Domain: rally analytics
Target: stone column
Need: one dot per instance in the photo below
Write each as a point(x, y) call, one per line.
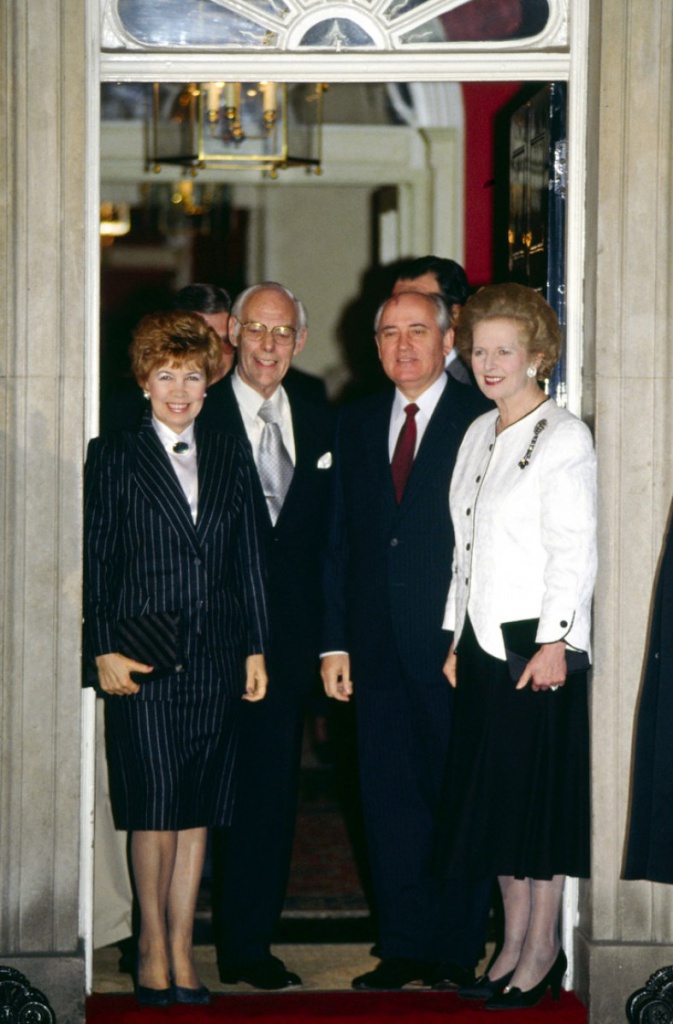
point(626, 928)
point(42, 345)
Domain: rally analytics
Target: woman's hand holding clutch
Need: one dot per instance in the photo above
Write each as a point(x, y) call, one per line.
point(255, 677)
point(546, 669)
point(114, 673)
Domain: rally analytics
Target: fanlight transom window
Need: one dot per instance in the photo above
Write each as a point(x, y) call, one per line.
point(301, 25)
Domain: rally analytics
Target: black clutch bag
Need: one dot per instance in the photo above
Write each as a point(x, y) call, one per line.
point(154, 639)
point(521, 645)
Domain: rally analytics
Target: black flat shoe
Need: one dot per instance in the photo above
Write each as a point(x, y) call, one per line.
point(393, 974)
point(192, 996)
point(151, 996)
point(267, 975)
point(516, 999)
point(485, 987)
point(154, 996)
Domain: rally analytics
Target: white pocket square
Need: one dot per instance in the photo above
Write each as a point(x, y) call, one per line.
point(325, 461)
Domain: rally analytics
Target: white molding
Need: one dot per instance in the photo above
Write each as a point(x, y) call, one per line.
point(91, 390)
point(576, 205)
point(353, 66)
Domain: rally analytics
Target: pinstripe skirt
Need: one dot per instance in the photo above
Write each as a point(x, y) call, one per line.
point(171, 761)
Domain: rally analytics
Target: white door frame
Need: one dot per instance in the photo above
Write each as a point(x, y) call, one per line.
point(352, 66)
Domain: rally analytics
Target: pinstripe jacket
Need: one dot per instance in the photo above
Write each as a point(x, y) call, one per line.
point(143, 553)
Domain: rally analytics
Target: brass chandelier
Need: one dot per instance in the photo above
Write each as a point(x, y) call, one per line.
point(236, 126)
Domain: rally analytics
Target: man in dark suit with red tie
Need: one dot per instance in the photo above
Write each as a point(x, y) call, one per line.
point(387, 576)
point(289, 430)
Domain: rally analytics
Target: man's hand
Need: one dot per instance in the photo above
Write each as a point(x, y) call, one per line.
point(114, 673)
point(255, 677)
point(546, 669)
point(335, 670)
point(451, 666)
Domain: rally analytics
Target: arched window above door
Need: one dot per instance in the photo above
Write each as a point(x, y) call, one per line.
point(333, 26)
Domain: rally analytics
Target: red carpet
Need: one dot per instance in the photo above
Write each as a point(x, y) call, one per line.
point(334, 1008)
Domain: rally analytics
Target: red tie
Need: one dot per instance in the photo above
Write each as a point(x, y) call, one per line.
point(403, 456)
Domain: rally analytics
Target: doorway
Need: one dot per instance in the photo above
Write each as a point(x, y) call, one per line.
point(418, 230)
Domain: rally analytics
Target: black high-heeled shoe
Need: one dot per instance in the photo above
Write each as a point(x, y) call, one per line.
point(485, 987)
point(515, 999)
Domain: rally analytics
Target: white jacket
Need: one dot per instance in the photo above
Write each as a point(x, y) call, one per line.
point(523, 506)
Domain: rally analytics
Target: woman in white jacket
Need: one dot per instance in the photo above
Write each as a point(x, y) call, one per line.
point(523, 504)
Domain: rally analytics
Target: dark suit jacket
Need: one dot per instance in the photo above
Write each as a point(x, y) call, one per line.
point(388, 567)
point(143, 553)
point(650, 838)
point(294, 546)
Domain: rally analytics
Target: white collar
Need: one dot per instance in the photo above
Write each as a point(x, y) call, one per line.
point(169, 438)
point(250, 400)
point(426, 401)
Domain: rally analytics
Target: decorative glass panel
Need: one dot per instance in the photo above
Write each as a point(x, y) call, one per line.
point(332, 25)
point(192, 23)
point(336, 34)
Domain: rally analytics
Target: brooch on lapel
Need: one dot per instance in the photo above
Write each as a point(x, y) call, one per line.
point(539, 427)
point(325, 461)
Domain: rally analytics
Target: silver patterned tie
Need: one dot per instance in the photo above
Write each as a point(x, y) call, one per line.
point(274, 464)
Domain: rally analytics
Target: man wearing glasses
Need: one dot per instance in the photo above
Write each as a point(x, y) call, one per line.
point(289, 431)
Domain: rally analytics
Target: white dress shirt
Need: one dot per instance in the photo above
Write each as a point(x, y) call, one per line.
point(523, 506)
point(250, 402)
point(184, 463)
point(426, 403)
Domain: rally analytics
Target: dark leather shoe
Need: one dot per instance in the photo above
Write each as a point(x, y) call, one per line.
point(128, 955)
point(154, 996)
point(485, 987)
point(267, 974)
point(450, 976)
point(393, 974)
point(192, 996)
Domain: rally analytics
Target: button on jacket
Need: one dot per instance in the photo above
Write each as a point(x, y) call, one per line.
point(523, 505)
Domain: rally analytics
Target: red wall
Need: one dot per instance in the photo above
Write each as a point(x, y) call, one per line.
point(482, 101)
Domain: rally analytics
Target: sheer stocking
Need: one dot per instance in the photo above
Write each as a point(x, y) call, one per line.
point(167, 870)
point(153, 860)
point(542, 941)
point(532, 908)
point(182, 896)
point(516, 900)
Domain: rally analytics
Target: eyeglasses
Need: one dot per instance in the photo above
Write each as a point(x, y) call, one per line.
point(252, 330)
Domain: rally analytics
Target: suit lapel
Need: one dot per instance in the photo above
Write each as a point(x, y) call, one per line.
point(375, 440)
point(212, 482)
point(160, 486)
point(305, 454)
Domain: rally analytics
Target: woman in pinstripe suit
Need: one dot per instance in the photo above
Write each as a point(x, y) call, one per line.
point(170, 535)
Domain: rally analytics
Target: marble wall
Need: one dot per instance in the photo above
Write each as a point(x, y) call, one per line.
point(42, 347)
point(626, 928)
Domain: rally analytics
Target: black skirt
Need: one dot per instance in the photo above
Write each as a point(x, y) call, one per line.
point(171, 760)
point(517, 787)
